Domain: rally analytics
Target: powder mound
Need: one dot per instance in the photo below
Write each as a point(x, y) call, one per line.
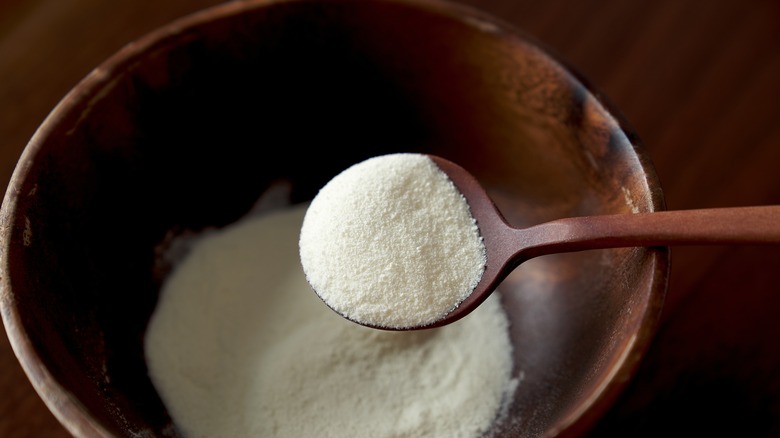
point(238, 346)
point(391, 242)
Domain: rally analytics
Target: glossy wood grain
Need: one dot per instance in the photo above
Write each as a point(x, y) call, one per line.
point(698, 81)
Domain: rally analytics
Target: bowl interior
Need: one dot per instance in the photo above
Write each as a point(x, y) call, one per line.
point(188, 127)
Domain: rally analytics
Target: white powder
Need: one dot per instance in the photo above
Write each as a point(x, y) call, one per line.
point(238, 346)
point(391, 242)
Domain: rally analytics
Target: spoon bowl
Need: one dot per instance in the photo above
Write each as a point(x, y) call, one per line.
point(507, 247)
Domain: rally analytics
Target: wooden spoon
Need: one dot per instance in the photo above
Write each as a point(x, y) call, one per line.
point(507, 247)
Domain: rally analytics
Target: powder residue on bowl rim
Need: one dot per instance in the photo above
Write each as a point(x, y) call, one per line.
point(239, 346)
point(391, 242)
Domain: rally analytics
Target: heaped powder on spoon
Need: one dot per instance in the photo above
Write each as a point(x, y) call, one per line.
point(391, 242)
point(238, 346)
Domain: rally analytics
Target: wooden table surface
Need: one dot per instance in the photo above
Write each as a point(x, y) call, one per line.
point(699, 80)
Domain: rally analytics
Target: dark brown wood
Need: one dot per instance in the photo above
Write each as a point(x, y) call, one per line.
point(186, 128)
point(757, 225)
point(696, 79)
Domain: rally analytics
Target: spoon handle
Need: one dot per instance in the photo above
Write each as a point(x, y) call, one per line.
point(737, 225)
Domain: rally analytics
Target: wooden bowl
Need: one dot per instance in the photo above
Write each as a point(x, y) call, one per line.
point(185, 128)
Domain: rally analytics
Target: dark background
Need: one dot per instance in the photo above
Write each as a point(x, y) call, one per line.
point(699, 81)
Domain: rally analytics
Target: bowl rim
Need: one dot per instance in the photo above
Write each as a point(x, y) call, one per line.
point(78, 420)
